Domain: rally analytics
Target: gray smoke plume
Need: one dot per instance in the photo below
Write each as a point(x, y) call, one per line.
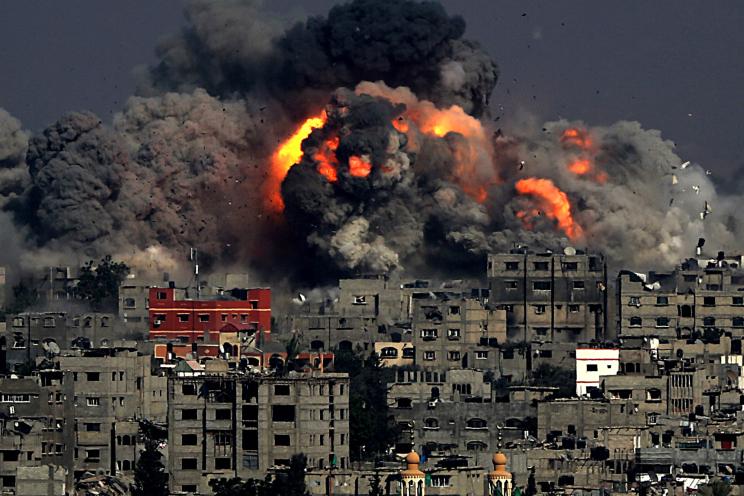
point(402, 176)
point(228, 48)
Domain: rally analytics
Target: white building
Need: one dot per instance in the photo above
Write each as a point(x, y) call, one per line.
point(593, 363)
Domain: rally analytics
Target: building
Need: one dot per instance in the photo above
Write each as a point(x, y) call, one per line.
point(549, 296)
point(455, 331)
point(592, 364)
point(175, 315)
point(227, 425)
point(700, 295)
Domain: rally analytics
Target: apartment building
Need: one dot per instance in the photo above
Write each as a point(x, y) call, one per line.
point(227, 425)
point(700, 295)
point(455, 331)
point(549, 296)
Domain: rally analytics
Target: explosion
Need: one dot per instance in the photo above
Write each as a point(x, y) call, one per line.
point(286, 155)
point(553, 202)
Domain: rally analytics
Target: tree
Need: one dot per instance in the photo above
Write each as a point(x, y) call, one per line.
point(372, 429)
point(99, 284)
point(24, 296)
point(375, 485)
point(239, 487)
point(716, 487)
point(548, 375)
point(150, 477)
point(292, 481)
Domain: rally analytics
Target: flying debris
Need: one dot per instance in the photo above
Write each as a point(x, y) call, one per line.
point(684, 165)
point(708, 172)
point(696, 189)
point(299, 300)
point(706, 211)
point(674, 179)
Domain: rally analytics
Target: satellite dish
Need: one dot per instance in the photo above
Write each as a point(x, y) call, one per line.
point(570, 251)
point(52, 348)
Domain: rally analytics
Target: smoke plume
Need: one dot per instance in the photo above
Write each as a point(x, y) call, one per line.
point(341, 144)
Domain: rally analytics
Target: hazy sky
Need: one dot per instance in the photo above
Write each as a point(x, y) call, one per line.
point(674, 65)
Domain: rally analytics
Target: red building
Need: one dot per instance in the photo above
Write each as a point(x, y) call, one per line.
point(176, 318)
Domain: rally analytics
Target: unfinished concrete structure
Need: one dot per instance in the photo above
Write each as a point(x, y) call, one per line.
point(226, 425)
point(549, 296)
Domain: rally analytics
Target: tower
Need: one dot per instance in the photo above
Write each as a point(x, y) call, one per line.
point(412, 478)
point(499, 480)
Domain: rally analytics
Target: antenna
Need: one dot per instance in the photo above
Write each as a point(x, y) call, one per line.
point(194, 257)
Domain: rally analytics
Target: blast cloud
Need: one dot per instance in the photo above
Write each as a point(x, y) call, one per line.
point(187, 161)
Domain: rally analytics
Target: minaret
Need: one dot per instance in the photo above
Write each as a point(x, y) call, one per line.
point(499, 480)
point(412, 479)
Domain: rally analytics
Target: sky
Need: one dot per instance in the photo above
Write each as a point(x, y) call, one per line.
point(673, 65)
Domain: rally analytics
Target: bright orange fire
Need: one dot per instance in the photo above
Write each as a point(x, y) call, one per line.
point(358, 167)
point(580, 166)
point(401, 124)
point(552, 201)
point(576, 137)
point(327, 161)
point(288, 154)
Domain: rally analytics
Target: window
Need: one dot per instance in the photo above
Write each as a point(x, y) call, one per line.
point(281, 389)
point(509, 285)
point(183, 317)
point(389, 352)
point(92, 455)
point(48, 321)
point(360, 300)
point(281, 440)
point(429, 355)
point(709, 321)
point(476, 423)
point(429, 333)
point(243, 317)
point(223, 317)
point(162, 295)
point(188, 439)
point(188, 414)
point(92, 376)
point(653, 395)
point(481, 355)
point(539, 309)
point(282, 413)
point(578, 285)
point(591, 367)
point(570, 266)
point(453, 356)
point(93, 401)
point(130, 303)
point(634, 301)
point(511, 265)
point(431, 423)
point(738, 322)
point(541, 266)
point(190, 488)
point(188, 464)
point(689, 277)
point(223, 414)
point(454, 310)
point(635, 322)
point(18, 322)
point(662, 301)
point(440, 481)
point(709, 301)
point(574, 308)
point(453, 334)
point(15, 398)
point(93, 427)
point(541, 285)
point(222, 464)
point(188, 389)
point(203, 317)
point(662, 322)
point(409, 352)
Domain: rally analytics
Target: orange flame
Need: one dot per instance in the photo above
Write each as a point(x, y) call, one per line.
point(286, 155)
point(576, 137)
point(580, 166)
point(552, 201)
point(401, 124)
point(358, 167)
point(326, 158)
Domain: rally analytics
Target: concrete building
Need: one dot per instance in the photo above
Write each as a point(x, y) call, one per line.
point(550, 297)
point(226, 425)
point(454, 331)
point(592, 364)
point(700, 295)
point(176, 315)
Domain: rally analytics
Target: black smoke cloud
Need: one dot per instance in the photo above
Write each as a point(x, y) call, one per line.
point(185, 163)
